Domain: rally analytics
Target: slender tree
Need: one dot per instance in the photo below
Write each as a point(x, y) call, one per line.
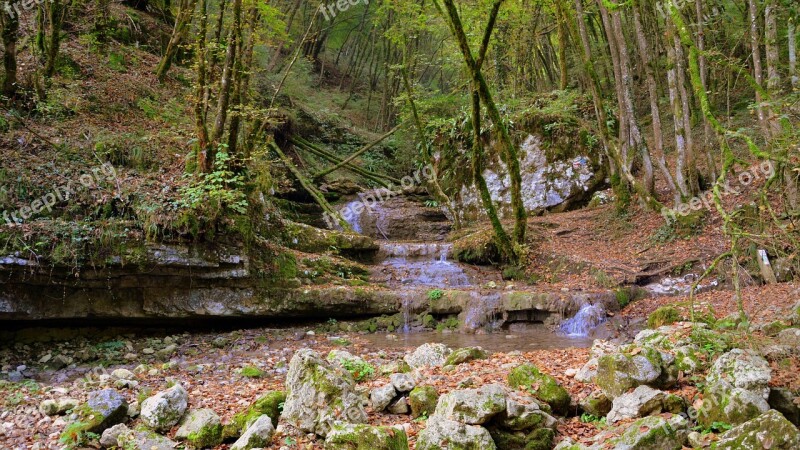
point(10, 35)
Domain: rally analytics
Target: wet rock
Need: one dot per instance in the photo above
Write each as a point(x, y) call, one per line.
point(444, 434)
point(165, 409)
point(381, 397)
point(466, 354)
point(257, 435)
point(544, 386)
point(643, 401)
point(365, 437)
point(767, 431)
point(111, 436)
point(422, 400)
point(737, 388)
point(428, 355)
point(201, 428)
point(403, 382)
point(268, 404)
point(144, 440)
point(320, 394)
point(472, 406)
point(597, 404)
point(782, 400)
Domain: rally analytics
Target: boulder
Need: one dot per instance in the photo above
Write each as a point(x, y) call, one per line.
point(634, 366)
point(538, 439)
point(428, 355)
point(473, 406)
point(144, 440)
point(102, 410)
point(544, 386)
point(524, 414)
point(422, 400)
point(597, 404)
point(48, 407)
point(111, 435)
point(790, 337)
point(587, 373)
point(737, 388)
point(643, 401)
point(380, 397)
point(768, 431)
point(365, 437)
point(444, 434)
point(794, 315)
point(123, 374)
point(399, 406)
point(320, 394)
point(258, 435)
point(403, 382)
point(650, 433)
point(165, 409)
point(269, 404)
point(465, 354)
point(201, 428)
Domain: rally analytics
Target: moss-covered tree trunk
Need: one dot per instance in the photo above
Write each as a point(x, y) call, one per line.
point(182, 22)
point(10, 34)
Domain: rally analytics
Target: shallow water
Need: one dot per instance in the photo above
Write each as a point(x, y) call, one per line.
point(525, 338)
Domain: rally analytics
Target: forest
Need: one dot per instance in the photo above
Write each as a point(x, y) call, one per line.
point(399, 224)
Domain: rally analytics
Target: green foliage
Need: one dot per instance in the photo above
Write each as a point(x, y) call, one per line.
point(75, 435)
point(211, 196)
point(591, 418)
point(435, 294)
point(665, 315)
point(359, 369)
point(714, 427)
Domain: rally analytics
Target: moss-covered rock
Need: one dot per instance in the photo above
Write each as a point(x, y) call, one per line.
point(652, 433)
point(473, 406)
point(666, 315)
point(257, 435)
point(465, 354)
point(441, 433)
point(634, 366)
point(165, 409)
point(422, 400)
point(201, 428)
point(102, 410)
point(365, 437)
point(770, 430)
point(269, 404)
point(542, 385)
point(737, 388)
point(597, 404)
point(539, 439)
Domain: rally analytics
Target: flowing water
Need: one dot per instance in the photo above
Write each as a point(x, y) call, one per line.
point(587, 319)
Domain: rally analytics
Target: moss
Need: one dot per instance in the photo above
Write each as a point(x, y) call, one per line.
point(208, 436)
point(365, 437)
point(251, 372)
point(544, 386)
point(270, 404)
point(666, 315)
point(422, 400)
point(540, 439)
point(465, 354)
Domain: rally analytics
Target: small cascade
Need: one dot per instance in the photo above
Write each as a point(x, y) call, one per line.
point(419, 264)
point(483, 311)
point(586, 319)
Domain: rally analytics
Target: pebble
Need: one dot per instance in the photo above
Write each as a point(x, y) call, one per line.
point(148, 351)
point(571, 373)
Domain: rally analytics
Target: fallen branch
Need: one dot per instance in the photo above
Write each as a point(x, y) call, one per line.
point(383, 180)
point(355, 155)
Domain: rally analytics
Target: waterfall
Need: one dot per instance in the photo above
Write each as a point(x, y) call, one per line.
point(587, 318)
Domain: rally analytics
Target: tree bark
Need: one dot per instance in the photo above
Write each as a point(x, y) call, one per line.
point(10, 34)
point(200, 94)
point(757, 69)
point(179, 31)
point(792, 37)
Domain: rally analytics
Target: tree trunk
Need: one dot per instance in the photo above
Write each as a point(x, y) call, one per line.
point(225, 83)
point(55, 11)
point(10, 34)
point(757, 70)
point(792, 32)
point(179, 32)
point(771, 50)
point(677, 113)
point(200, 93)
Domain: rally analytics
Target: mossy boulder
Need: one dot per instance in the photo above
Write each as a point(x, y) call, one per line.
point(201, 428)
point(525, 413)
point(737, 388)
point(422, 400)
point(143, 439)
point(652, 433)
point(473, 406)
point(257, 435)
point(269, 404)
point(319, 394)
point(644, 401)
point(634, 366)
point(465, 354)
point(597, 404)
point(317, 240)
point(666, 315)
point(428, 355)
point(769, 430)
point(539, 439)
point(441, 433)
point(365, 437)
point(542, 385)
point(103, 409)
